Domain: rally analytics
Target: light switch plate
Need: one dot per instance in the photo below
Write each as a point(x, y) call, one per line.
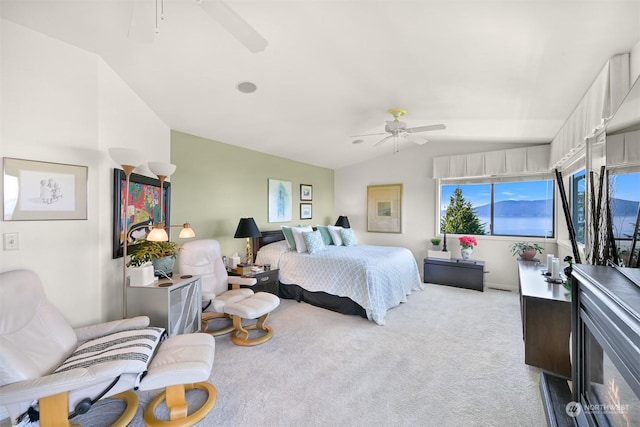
point(11, 241)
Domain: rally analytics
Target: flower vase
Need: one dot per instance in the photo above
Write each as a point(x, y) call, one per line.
point(466, 253)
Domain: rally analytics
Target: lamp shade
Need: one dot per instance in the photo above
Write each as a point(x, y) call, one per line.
point(343, 222)
point(158, 234)
point(161, 168)
point(187, 232)
point(126, 156)
point(247, 228)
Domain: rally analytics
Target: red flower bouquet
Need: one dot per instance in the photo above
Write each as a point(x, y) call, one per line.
point(467, 242)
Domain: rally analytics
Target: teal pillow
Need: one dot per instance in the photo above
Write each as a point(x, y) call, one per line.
point(326, 236)
point(288, 235)
point(348, 237)
point(313, 240)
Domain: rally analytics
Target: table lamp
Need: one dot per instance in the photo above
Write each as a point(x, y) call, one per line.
point(343, 222)
point(247, 228)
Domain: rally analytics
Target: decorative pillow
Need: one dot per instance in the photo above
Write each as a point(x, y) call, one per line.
point(335, 235)
point(288, 235)
point(135, 346)
point(326, 236)
point(297, 236)
point(270, 254)
point(348, 237)
point(314, 242)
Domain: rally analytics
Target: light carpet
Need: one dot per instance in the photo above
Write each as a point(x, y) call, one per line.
point(447, 357)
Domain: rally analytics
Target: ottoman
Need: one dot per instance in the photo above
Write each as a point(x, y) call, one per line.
point(258, 306)
point(183, 362)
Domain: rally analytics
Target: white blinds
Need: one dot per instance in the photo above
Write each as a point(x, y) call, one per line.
point(624, 149)
point(593, 111)
point(515, 161)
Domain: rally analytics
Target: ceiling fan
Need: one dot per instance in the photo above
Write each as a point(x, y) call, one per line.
point(144, 23)
point(398, 130)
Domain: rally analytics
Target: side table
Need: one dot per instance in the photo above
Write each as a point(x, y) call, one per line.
point(267, 281)
point(456, 272)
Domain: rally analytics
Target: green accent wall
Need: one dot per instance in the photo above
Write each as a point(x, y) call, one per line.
point(216, 184)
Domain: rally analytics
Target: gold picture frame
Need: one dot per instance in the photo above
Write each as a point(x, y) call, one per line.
point(384, 208)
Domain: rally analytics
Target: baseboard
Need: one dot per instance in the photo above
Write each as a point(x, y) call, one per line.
point(500, 287)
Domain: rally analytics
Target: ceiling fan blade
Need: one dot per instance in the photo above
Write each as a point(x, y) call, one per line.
point(368, 134)
point(234, 24)
point(383, 140)
point(417, 139)
point(426, 128)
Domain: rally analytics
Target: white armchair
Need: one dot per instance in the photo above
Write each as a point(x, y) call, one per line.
point(203, 258)
point(39, 358)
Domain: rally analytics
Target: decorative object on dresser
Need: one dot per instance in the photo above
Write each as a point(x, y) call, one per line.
point(248, 229)
point(384, 208)
point(526, 250)
point(44, 191)
point(435, 242)
point(454, 272)
point(466, 246)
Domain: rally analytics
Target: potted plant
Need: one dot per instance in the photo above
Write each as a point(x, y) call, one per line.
point(526, 250)
point(161, 254)
point(436, 243)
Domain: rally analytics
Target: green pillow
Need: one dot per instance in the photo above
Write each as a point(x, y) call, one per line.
point(326, 236)
point(288, 235)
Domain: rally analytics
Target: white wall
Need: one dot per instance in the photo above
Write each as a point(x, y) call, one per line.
point(65, 105)
point(413, 167)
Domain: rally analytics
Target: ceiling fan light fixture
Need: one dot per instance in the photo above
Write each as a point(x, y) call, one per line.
point(246, 87)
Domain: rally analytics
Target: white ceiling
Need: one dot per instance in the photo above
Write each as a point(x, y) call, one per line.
point(499, 71)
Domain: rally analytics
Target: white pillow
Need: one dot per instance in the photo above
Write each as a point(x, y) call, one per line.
point(301, 246)
point(335, 235)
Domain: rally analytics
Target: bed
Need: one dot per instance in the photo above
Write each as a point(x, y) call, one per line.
point(363, 280)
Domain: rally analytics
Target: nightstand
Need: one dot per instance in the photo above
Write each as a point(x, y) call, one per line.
point(267, 281)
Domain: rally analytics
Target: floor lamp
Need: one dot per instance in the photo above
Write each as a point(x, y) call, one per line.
point(130, 159)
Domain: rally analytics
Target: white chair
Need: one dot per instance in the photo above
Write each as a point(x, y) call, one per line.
point(66, 370)
point(203, 257)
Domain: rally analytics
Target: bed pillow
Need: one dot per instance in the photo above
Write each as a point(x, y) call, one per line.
point(270, 254)
point(326, 236)
point(335, 235)
point(288, 235)
point(314, 242)
point(348, 237)
point(297, 236)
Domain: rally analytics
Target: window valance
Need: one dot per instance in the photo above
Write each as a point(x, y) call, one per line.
point(515, 161)
point(623, 149)
point(593, 111)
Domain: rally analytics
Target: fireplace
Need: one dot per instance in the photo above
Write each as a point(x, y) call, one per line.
point(606, 346)
point(604, 389)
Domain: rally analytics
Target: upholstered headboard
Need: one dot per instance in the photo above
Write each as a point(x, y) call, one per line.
point(266, 238)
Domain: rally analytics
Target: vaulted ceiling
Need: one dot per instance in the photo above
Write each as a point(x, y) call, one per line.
point(491, 71)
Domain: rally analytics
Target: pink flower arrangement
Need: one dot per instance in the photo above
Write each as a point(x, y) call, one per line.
point(467, 242)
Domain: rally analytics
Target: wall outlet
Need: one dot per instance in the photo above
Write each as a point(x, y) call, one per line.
point(11, 241)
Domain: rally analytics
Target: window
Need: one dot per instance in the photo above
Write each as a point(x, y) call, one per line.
point(625, 199)
point(578, 185)
point(517, 208)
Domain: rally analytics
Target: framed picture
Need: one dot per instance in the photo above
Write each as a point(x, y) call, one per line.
point(306, 192)
point(306, 211)
point(280, 201)
point(144, 207)
point(384, 208)
point(40, 191)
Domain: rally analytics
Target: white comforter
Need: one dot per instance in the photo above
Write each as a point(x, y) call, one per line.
point(376, 277)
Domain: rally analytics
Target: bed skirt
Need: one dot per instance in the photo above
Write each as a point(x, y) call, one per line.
point(335, 303)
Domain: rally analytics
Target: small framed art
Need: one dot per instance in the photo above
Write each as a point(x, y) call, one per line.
point(35, 190)
point(306, 192)
point(306, 211)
